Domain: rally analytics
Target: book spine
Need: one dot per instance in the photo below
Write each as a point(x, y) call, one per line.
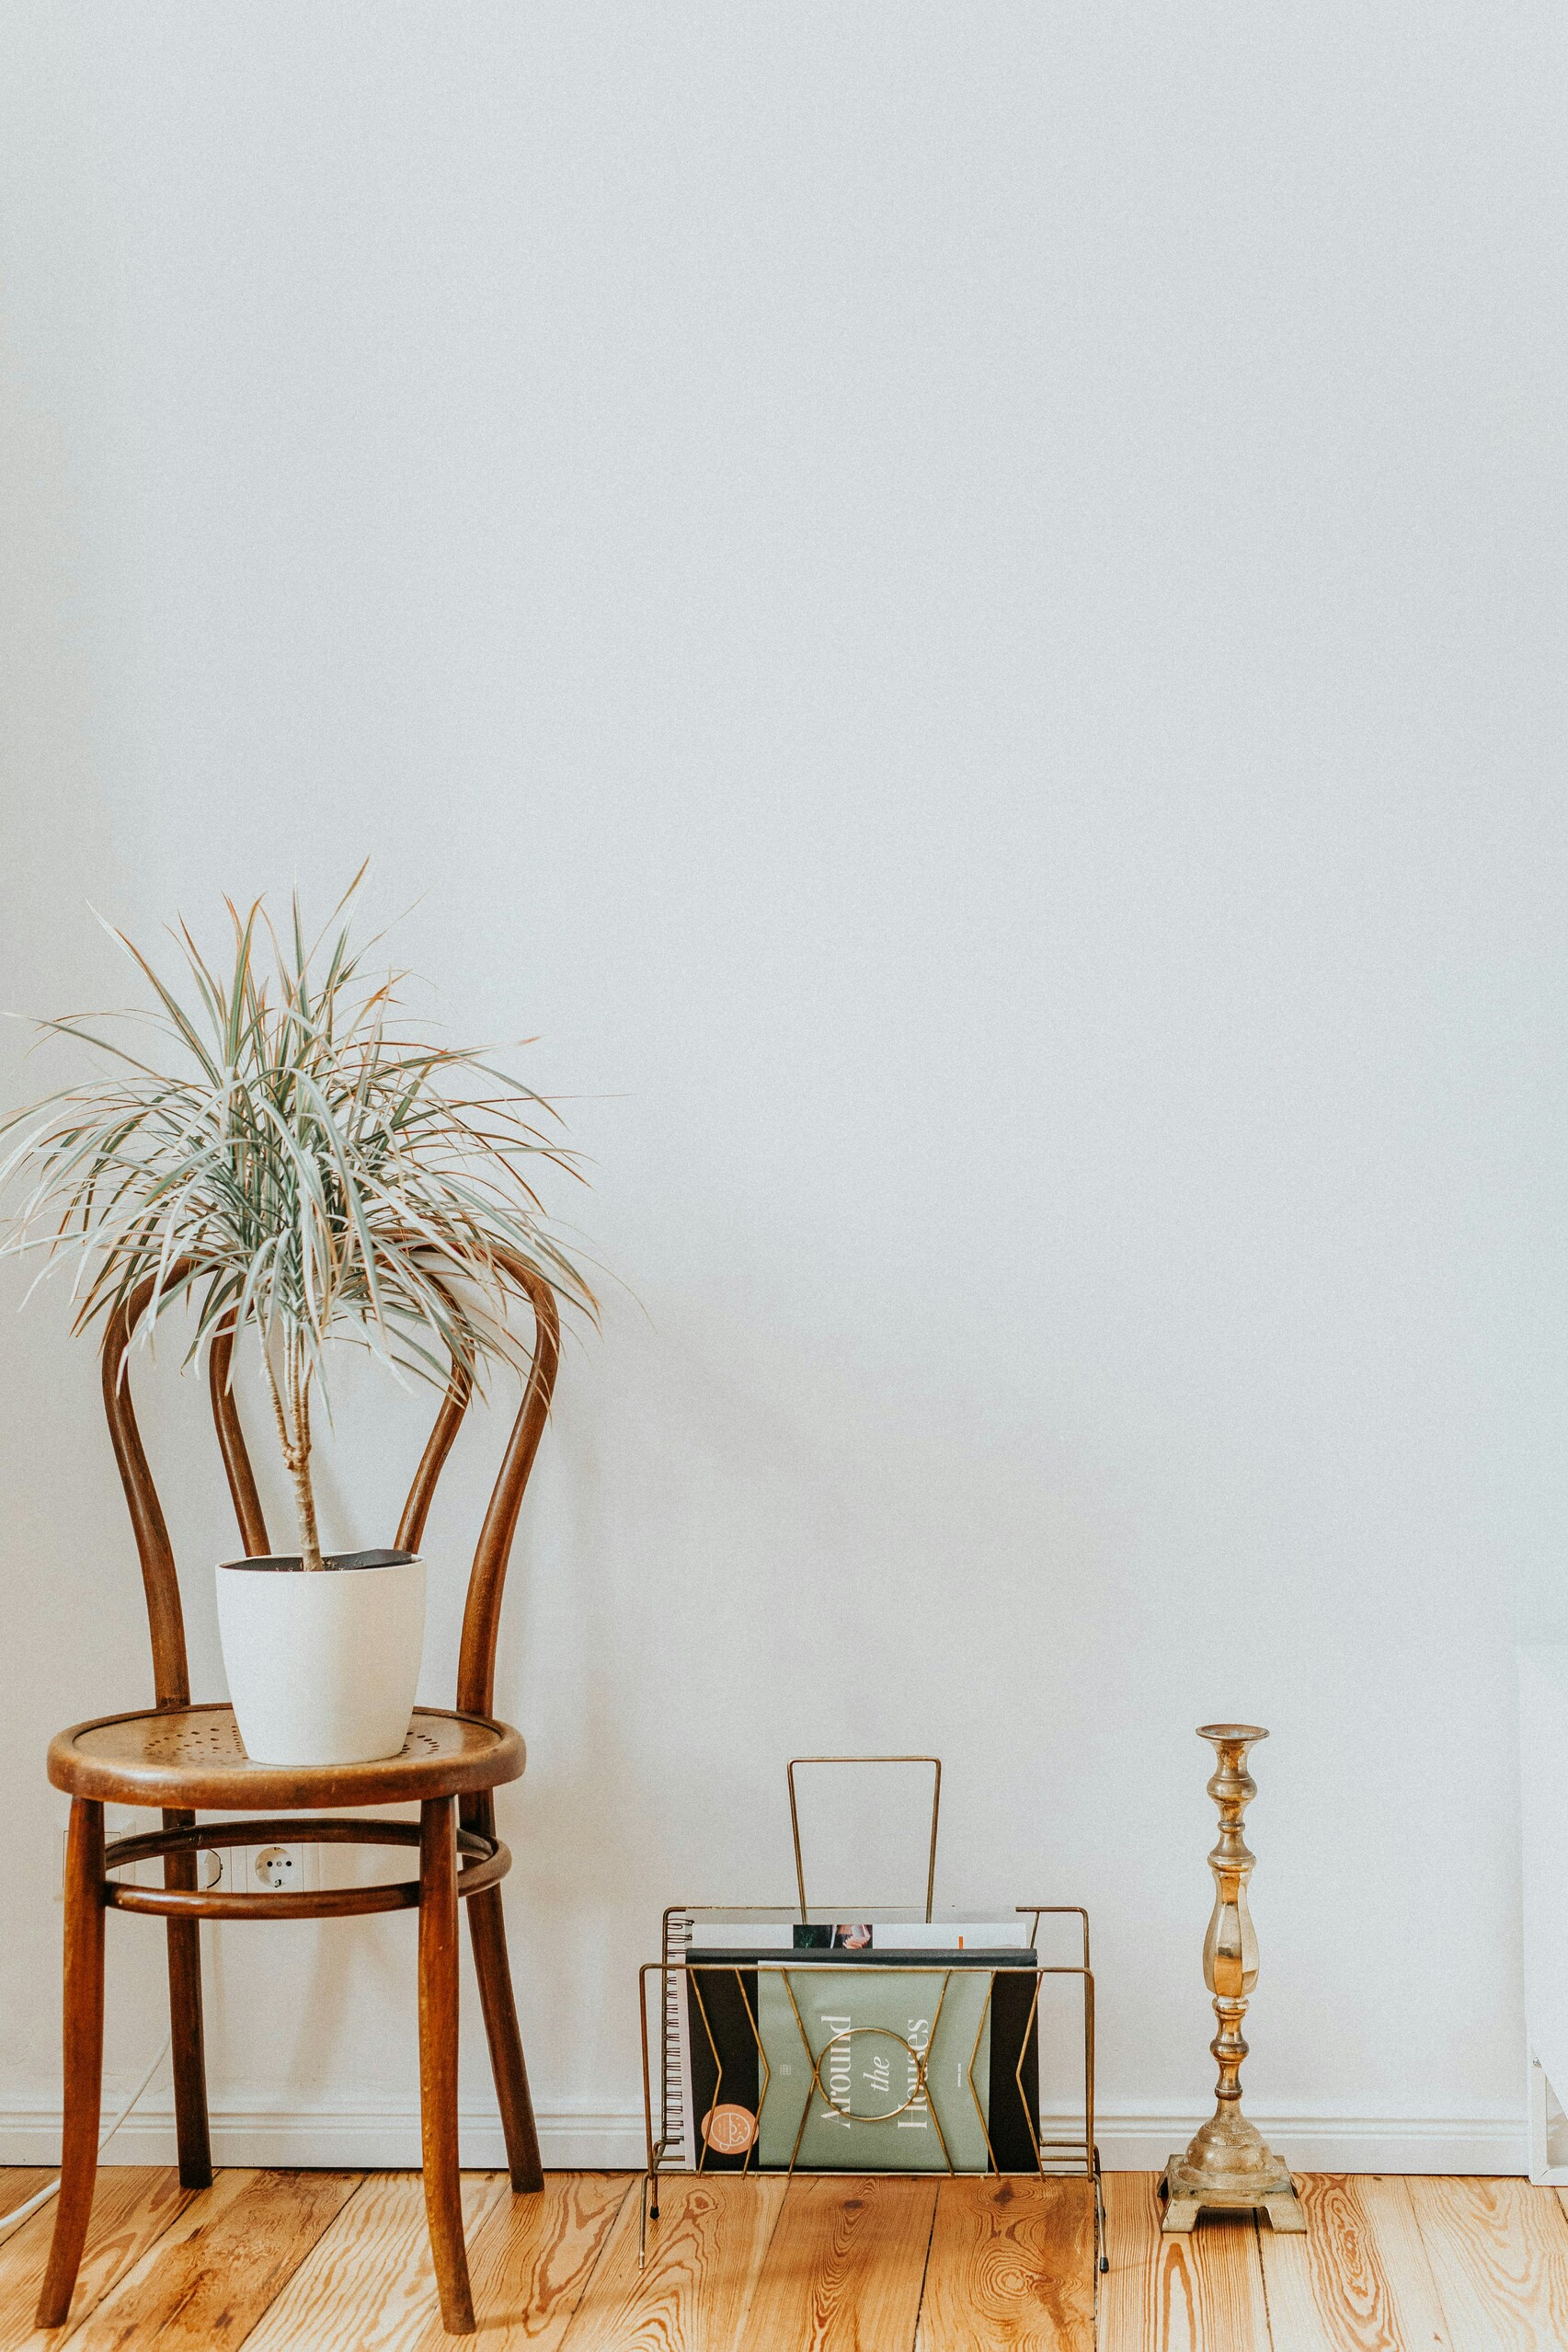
point(677, 2121)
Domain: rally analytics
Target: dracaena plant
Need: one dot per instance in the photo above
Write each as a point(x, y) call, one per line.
point(271, 1143)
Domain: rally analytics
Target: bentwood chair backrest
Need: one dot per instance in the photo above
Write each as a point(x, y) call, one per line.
point(486, 1579)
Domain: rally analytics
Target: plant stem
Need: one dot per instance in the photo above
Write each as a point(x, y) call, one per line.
point(294, 1440)
point(305, 1506)
point(305, 1494)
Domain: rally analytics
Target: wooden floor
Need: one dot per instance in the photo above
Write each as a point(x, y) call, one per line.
point(337, 2262)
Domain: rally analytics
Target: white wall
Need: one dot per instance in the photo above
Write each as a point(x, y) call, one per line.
point(961, 607)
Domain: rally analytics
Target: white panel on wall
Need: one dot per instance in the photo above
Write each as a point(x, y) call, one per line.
point(1543, 1779)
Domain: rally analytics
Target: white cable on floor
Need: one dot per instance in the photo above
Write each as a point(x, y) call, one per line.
point(8, 2221)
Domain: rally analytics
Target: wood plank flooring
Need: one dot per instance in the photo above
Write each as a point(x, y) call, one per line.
point(1010, 2262)
point(340, 2262)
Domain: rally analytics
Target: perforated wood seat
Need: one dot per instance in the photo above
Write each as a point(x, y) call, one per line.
point(192, 1756)
point(178, 1758)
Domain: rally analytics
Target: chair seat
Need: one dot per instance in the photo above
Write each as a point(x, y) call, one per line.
point(183, 1758)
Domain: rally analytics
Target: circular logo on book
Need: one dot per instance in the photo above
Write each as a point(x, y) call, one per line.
point(729, 2131)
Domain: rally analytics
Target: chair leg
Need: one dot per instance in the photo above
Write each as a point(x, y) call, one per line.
point(186, 2025)
point(438, 2058)
point(486, 1928)
point(84, 2057)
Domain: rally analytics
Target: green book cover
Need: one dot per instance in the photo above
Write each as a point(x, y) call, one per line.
point(867, 2026)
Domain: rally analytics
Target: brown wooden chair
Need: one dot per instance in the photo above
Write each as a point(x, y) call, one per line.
point(179, 1758)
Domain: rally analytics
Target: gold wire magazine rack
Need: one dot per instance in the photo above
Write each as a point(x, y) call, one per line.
point(765, 2040)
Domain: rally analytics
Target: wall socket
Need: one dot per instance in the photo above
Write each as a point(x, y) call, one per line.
point(265, 1870)
point(277, 1869)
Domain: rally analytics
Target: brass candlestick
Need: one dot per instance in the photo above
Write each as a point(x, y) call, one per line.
point(1227, 2165)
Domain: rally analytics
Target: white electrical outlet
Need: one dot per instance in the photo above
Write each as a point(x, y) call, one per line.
point(277, 1870)
point(267, 1870)
point(221, 1869)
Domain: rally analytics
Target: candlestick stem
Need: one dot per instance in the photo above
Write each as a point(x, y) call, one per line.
point(1228, 2166)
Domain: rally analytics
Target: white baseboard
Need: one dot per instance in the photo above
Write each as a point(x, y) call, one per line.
point(376, 2139)
point(612, 2139)
point(1495, 2142)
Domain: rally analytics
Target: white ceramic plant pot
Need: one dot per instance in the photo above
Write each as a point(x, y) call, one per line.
point(323, 1665)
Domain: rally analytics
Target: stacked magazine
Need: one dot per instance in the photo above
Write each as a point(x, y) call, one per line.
point(889, 2043)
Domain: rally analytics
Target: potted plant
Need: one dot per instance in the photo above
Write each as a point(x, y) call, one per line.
point(273, 1148)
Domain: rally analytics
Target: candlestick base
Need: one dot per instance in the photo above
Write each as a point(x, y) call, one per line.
point(1190, 2189)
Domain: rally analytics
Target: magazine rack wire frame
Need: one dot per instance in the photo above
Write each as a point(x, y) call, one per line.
point(935, 1763)
point(1055, 2154)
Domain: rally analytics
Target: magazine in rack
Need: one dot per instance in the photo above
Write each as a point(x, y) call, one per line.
point(811, 2026)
